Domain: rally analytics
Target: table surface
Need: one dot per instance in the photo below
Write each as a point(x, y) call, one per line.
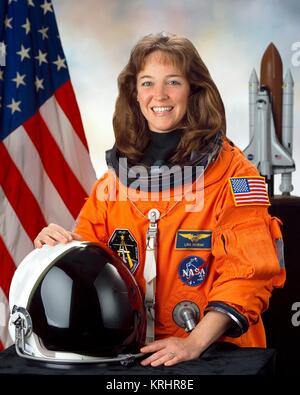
point(219, 359)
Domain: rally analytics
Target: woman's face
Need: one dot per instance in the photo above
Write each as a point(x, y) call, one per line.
point(162, 93)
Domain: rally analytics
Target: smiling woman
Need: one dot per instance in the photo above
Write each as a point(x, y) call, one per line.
point(162, 93)
point(206, 274)
point(164, 86)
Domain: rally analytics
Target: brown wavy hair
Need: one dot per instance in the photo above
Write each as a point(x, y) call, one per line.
point(205, 110)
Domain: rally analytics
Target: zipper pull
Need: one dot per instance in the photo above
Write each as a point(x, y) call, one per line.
point(153, 216)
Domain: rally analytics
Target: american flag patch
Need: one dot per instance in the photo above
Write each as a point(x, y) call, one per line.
point(249, 191)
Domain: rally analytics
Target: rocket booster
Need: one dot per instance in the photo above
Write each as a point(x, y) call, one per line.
point(271, 78)
point(253, 89)
point(271, 121)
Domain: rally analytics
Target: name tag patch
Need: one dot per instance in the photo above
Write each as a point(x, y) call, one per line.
point(193, 240)
point(193, 270)
point(126, 247)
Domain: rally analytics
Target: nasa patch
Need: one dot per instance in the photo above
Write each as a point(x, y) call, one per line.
point(193, 270)
point(126, 247)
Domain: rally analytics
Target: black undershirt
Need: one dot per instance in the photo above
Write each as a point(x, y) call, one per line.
point(161, 147)
point(157, 154)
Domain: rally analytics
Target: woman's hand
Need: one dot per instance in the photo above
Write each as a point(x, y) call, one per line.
point(54, 234)
point(170, 351)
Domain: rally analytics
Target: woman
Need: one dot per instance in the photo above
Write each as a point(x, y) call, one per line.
point(206, 270)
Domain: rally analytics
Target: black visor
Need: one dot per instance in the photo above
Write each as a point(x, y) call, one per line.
point(88, 303)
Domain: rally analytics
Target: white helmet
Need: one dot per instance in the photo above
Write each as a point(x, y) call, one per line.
point(76, 302)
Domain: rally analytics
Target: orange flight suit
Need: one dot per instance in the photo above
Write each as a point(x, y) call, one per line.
point(233, 248)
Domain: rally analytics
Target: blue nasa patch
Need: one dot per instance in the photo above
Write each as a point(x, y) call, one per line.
point(193, 270)
point(193, 239)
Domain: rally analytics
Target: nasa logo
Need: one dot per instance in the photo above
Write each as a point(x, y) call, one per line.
point(193, 270)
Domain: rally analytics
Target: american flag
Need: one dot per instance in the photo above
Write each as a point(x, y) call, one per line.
point(45, 168)
point(249, 191)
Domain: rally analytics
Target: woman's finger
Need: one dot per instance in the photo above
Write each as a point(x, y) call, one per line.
point(165, 359)
point(75, 236)
point(59, 229)
point(153, 357)
point(53, 234)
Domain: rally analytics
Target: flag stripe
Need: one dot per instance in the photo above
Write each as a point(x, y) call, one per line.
point(253, 200)
point(5, 339)
point(13, 234)
point(257, 194)
point(7, 270)
point(67, 140)
point(258, 187)
point(18, 193)
point(45, 169)
point(55, 165)
point(67, 101)
point(28, 161)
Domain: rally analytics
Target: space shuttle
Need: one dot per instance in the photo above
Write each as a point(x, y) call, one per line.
point(271, 103)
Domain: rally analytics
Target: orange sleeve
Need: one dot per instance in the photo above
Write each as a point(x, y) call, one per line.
point(248, 252)
point(91, 223)
point(246, 262)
